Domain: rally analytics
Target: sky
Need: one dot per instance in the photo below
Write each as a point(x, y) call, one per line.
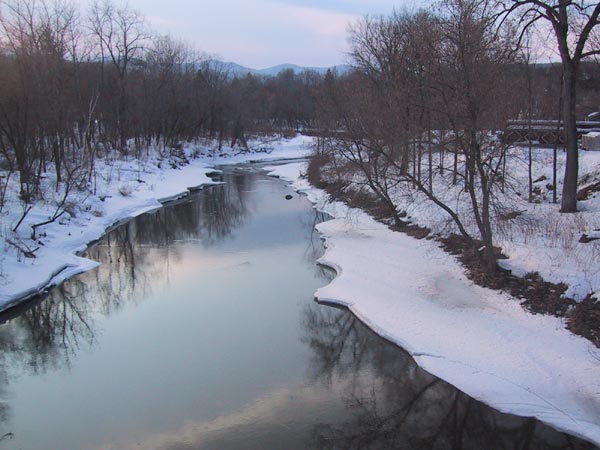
point(264, 33)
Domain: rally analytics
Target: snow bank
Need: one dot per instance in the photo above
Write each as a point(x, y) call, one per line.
point(124, 189)
point(545, 241)
point(539, 239)
point(482, 341)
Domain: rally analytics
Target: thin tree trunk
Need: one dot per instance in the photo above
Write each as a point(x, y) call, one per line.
point(556, 142)
point(529, 148)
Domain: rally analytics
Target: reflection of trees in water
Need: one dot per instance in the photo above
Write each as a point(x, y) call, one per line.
point(208, 216)
point(135, 258)
point(142, 254)
point(125, 273)
point(7, 347)
point(226, 207)
point(393, 404)
point(44, 336)
point(314, 249)
point(53, 330)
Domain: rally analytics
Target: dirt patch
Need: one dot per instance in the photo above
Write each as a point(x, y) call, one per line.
point(340, 190)
point(313, 173)
point(538, 296)
point(584, 320)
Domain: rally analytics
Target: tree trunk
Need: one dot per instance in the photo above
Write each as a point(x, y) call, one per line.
point(123, 117)
point(569, 193)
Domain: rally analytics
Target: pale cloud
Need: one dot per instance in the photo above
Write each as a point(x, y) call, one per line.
point(261, 33)
point(354, 6)
point(320, 22)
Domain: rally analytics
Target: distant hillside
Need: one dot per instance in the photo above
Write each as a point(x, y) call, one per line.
point(239, 70)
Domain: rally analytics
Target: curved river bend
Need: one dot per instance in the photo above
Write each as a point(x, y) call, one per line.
point(199, 331)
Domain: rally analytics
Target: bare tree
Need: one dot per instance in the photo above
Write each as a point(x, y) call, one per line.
point(35, 107)
point(474, 82)
point(122, 37)
point(410, 84)
point(572, 23)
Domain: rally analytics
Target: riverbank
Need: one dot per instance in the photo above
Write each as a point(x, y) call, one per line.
point(482, 341)
point(122, 189)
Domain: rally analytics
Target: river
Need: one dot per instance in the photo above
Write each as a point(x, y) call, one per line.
point(199, 331)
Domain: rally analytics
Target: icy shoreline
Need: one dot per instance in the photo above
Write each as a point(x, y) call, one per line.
point(482, 341)
point(57, 258)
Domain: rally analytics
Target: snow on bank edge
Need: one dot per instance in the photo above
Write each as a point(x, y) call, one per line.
point(482, 341)
point(58, 259)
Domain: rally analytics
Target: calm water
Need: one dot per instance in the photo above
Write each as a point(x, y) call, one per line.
point(199, 331)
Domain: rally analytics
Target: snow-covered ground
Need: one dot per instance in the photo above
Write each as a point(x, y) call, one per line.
point(539, 239)
point(482, 341)
point(123, 189)
point(543, 240)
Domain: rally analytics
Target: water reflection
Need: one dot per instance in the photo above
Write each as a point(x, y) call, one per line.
point(208, 216)
point(392, 404)
point(314, 247)
point(147, 252)
point(135, 258)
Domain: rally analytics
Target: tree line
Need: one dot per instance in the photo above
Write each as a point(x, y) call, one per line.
point(78, 84)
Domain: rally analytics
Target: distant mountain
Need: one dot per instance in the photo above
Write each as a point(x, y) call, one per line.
point(272, 71)
point(240, 71)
